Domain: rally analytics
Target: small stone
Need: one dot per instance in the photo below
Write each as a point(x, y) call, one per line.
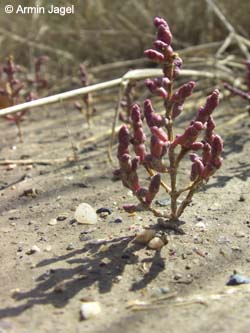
point(104, 210)
point(70, 247)
point(144, 236)
point(20, 248)
point(159, 291)
point(236, 249)
point(177, 276)
point(242, 198)
point(52, 222)
point(62, 217)
point(118, 220)
point(239, 234)
point(156, 243)
point(85, 214)
point(237, 279)
point(117, 279)
point(33, 249)
point(90, 310)
point(48, 248)
point(201, 226)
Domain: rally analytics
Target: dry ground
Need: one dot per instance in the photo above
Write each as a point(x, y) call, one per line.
point(196, 263)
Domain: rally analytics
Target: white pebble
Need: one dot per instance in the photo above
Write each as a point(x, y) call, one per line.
point(156, 243)
point(85, 214)
point(144, 236)
point(52, 222)
point(200, 225)
point(90, 310)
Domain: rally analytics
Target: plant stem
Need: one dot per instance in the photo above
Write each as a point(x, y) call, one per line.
point(88, 114)
point(189, 196)
point(20, 134)
point(156, 212)
point(173, 173)
point(172, 161)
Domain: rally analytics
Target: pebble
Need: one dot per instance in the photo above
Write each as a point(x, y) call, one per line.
point(52, 222)
point(70, 247)
point(239, 234)
point(62, 217)
point(20, 248)
point(130, 194)
point(177, 276)
point(242, 198)
point(118, 220)
point(236, 249)
point(48, 248)
point(33, 249)
point(104, 210)
point(144, 236)
point(201, 226)
point(156, 243)
point(90, 310)
point(85, 214)
point(158, 291)
point(237, 279)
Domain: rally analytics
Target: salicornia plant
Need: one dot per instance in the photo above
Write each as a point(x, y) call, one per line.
point(86, 98)
point(12, 88)
point(166, 150)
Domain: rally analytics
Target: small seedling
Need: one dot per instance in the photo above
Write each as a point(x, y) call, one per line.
point(39, 82)
point(165, 150)
point(86, 98)
point(10, 92)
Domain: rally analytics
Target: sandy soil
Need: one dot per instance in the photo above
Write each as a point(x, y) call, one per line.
point(43, 292)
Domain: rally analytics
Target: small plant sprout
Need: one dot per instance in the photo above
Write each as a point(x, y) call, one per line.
point(86, 98)
point(161, 151)
point(11, 91)
point(39, 82)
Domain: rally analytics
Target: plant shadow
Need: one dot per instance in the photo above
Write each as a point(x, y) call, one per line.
point(97, 263)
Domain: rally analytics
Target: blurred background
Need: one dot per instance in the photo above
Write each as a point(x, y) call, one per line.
point(106, 31)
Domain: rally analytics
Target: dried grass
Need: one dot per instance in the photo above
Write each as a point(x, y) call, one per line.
point(106, 31)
